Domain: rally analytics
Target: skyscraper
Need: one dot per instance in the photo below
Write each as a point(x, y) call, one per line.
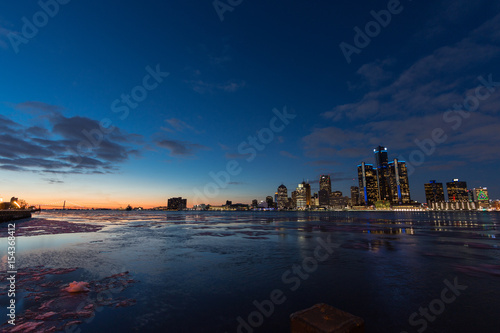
point(324, 198)
point(354, 196)
point(399, 184)
point(383, 173)
point(301, 196)
point(270, 202)
point(457, 191)
point(325, 183)
point(434, 192)
point(282, 197)
point(367, 183)
point(308, 193)
point(176, 203)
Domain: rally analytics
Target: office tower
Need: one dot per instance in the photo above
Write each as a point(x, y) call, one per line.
point(434, 192)
point(398, 182)
point(294, 199)
point(481, 194)
point(176, 203)
point(325, 183)
point(324, 198)
point(255, 203)
point(367, 177)
point(282, 197)
point(457, 191)
point(301, 196)
point(383, 173)
point(270, 201)
point(354, 196)
point(308, 193)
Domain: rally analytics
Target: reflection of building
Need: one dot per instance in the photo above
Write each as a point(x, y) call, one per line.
point(176, 203)
point(282, 197)
point(301, 196)
point(354, 195)
point(383, 173)
point(457, 191)
point(434, 192)
point(368, 184)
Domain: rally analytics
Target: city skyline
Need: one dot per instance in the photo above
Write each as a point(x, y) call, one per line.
point(163, 100)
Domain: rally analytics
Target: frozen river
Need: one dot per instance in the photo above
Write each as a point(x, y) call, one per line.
point(247, 272)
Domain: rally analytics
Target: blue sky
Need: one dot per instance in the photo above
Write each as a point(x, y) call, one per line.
point(224, 80)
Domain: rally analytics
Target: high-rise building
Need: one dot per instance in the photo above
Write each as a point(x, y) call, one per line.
point(398, 182)
point(308, 193)
point(324, 198)
point(325, 183)
point(354, 196)
point(270, 201)
point(176, 203)
point(255, 203)
point(294, 199)
point(383, 173)
point(301, 196)
point(434, 192)
point(481, 194)
point(367, 177)
point(282, 197)
point(457, 191)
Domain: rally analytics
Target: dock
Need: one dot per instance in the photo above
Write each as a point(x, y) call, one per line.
point(11, 215)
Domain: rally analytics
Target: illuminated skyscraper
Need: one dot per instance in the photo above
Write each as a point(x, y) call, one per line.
point(282, 197)
point(383, 173)
point(434, 192)
point(325, 183)
point(324, 198)
point(457, 191)
point(308, 193)
point(399, 184)
point(301, 196)
point(368, 184)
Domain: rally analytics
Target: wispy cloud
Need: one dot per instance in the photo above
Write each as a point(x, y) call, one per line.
point(287, 154)
point(181, 148)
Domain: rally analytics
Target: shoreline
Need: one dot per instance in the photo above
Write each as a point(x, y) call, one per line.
point(12, 215)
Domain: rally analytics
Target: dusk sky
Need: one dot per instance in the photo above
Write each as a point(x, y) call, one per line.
point(109, 103)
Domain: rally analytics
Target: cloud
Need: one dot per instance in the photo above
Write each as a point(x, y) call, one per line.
point(405, 105)
point(179, 126)
point(203, 87)
point(181, 148)
point(287, 154)
point(66, 145)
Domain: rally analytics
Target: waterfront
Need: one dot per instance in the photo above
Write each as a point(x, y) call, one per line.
point(200, 271)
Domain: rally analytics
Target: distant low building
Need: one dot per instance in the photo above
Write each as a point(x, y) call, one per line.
point(454, 205)
point(177, 203)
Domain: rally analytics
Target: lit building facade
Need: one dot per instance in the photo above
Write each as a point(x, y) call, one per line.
point(457, 191)
point(282, 197)
point(481, 194)
point(383, 173)
point(399, 184)
point(355, 196)
point(325, 183)
point(434, 192)
point(301, 196)
point(367, 177)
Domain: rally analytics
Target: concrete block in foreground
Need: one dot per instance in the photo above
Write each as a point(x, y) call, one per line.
point(323, 318)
